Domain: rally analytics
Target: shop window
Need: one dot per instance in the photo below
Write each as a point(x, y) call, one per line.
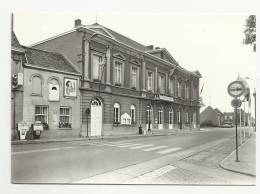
point(41, 114)
point(116, 113)
point(36, 85)
point(132, 114)
point(65, 117)
point(54, 90)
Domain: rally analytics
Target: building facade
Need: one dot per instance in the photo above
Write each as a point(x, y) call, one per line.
point(125, 84)
point(44, 88)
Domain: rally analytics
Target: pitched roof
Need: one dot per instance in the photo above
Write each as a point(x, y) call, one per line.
point(49, 60)
point(218, 111)
point(119, 37)
point(14, 40)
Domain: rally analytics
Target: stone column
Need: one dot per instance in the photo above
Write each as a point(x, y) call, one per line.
point(166, 83)
point(143, 75)
point(108, 65)
point(87, 50)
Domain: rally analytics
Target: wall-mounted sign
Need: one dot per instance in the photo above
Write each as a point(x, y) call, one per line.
point(70, 87)
point(236, 89)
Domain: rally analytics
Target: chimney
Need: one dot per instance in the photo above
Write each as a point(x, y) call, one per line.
point(77, 23)
point(150, 47)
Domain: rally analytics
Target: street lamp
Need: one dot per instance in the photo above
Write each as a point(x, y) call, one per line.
point(254, 94)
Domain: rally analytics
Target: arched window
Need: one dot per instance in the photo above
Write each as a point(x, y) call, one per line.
point(36, 85)
point(116, 113)
point(132, 113)
point(54, 90)
point(160, 116)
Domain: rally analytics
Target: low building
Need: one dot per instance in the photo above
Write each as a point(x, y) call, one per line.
point(45, 87)
point(211, 117)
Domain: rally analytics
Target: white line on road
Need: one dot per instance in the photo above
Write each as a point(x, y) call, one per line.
point(154, 148)
point(145, 178)
point(129, 145)
point(141, 146)
point(40, 150)
point(166, 151)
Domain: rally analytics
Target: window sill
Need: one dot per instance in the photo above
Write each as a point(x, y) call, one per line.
point(36, 95)
point(64, 128)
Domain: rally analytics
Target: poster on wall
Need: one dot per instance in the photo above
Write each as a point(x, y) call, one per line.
point(70, 86)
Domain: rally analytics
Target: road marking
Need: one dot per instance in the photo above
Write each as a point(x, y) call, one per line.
point(129, 145)
point(40, 150)
point(166, 151)
point(141, 146)
point(151, 175)
point(154, 148)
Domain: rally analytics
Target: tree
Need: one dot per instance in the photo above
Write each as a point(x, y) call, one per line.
point(250, 32)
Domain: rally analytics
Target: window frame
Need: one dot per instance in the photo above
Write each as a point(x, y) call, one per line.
point(152, 82)
point(64, 115)
point(171, 120)
point(41, 85)
point(47, 112)
point(115, 72)
point(133, 117)
point(117, 114)
point(98, 78)
point(136, 76)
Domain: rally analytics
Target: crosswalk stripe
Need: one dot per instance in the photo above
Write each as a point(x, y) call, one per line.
point(129, 145)
point(166, 151)
point(141, 146)
point(154, 148)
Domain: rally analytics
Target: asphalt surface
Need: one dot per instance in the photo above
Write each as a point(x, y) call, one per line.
point(67, 162)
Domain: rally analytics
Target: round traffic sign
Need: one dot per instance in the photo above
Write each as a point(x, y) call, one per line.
point(236, 89)
point(236, 102)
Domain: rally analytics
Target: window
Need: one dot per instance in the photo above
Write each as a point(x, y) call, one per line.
point(41, 114)
point(134, 77)
point(187, 117)
point(54, 90)
point(171, 87)
point(179, 88)
point(116, 113)
point(132, 113)
point(149, 116)
point(118, 73)
point(160, 112)
point(150, 81)
point(170, 117)
point(195, 88)
point(96, 67)
point(65, 117)
point(187, 91)
point(161, 84)
point(36, 85)
point(179, 116)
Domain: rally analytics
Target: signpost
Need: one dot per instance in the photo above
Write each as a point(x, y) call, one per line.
point(236, 89)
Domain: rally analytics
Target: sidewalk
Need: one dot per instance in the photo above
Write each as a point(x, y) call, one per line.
point(246, 157)
point(154, 133)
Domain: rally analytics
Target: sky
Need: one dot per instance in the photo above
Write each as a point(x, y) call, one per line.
point(211, 44)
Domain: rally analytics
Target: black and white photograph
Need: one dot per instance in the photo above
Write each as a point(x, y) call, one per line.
point(133, 99)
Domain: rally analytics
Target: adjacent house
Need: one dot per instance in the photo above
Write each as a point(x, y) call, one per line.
point(211, 117)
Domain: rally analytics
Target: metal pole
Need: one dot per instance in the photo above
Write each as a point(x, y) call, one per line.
point(254, 94)
point(240, 128)
point(236, 135)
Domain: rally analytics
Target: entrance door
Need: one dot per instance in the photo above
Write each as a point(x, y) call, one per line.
point(96, 118)
point(160, 122)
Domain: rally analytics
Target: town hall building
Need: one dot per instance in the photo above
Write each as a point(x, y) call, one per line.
point(123, 85)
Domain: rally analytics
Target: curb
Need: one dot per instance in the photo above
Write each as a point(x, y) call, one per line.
point(221, 164)
point(17, 142)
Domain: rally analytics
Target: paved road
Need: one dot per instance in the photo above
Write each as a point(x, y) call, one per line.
point(70, 162)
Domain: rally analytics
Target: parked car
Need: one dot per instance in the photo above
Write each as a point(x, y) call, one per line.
point(227, 125)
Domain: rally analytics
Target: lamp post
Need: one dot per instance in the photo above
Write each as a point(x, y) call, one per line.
point(254, 94)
